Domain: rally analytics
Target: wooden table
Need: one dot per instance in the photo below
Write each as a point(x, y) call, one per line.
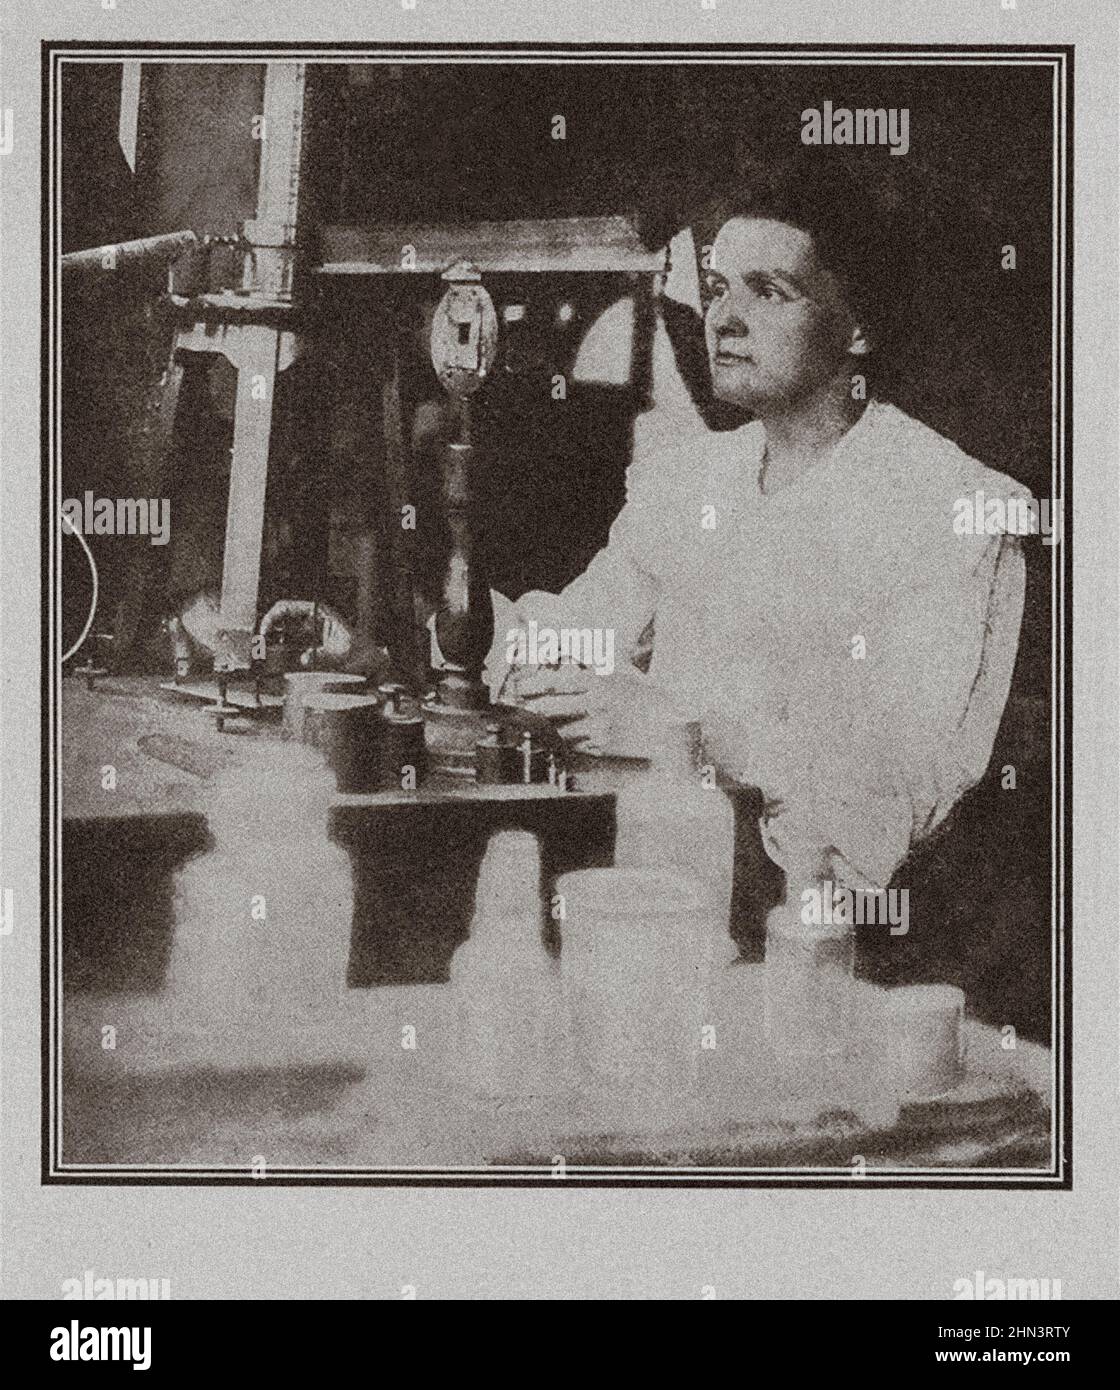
point(345, 1095)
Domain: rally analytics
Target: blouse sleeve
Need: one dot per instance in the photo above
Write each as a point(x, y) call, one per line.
point(619, 589)
point(859, 765)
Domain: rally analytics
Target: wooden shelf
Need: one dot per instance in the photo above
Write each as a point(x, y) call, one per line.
point(562, 244)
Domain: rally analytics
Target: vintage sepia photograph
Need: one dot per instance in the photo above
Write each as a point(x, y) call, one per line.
point(557, 600)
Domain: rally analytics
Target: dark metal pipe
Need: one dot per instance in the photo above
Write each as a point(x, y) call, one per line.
point(149, 250)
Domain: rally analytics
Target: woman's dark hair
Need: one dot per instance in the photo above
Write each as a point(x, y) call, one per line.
point(856, 228)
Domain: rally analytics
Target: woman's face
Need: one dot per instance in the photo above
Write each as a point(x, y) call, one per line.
point(777, 325)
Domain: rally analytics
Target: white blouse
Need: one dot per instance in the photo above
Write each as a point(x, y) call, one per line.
point(847, 650)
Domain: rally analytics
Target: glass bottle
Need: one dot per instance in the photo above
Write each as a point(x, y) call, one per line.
point(677, 816)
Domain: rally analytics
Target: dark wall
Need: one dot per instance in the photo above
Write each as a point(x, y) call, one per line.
point(470, 142)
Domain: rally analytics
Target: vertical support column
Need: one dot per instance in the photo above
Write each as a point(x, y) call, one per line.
point(258, 357)
point(257, 366)
point(272, 233)
point(465, 624)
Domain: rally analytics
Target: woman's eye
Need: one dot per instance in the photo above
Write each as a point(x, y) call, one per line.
point(771, 294)
point(716, 288)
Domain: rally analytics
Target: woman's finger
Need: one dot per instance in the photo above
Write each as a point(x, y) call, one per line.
point(591, 735)
point(559, 705)
point(548, 680)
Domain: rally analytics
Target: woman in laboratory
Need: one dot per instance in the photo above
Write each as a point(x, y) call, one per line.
point(845, 642)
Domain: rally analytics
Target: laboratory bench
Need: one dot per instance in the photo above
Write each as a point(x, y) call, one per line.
point(348, 1093)
point(350, 1097)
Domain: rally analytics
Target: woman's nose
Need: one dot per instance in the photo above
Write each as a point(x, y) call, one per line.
point(724, 316)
